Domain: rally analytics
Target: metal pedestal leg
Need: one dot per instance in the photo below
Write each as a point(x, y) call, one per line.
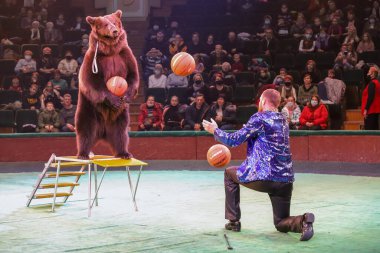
point(56, 185)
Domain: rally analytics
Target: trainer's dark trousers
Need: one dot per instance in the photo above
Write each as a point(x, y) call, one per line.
point(280, 195)
point(372, 121)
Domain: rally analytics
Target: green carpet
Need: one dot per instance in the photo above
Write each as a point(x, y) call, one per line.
point(183, 211)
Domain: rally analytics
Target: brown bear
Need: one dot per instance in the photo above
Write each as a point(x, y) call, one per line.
point(100, 114)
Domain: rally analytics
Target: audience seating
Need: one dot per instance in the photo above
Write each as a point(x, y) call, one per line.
point(324, 60)
point(7, 121)
point(158, 93)
point(282, 60)
point(181, 93)
point(35, 48)
point(370, 57)
point(7, 67)
point(55, 51)
point(245, 78)
point(243, 113)
point(24, 117)
point(244, 93)
point(9, 96)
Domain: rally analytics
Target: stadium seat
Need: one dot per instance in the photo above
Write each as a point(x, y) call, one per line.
point(245, 93)
point(353, 77)
point(6, 81)
point(26, 117)
point(158, 93)
point(55, 52)
point(243, 113)
point(181, 93)
point(9, 96)
point(245, 78)
point(35, 48)
point(16, 48)
point(287, 46)
point(73, 48)
point(297, 79)
point(7, 67)
point(284, 61)
point(265, 57)
point(302, 58)
point(7, 121)
point(324, 60)
point(251, 47)
point(369, 57)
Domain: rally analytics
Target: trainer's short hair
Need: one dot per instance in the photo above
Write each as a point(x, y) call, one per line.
point(272, 96)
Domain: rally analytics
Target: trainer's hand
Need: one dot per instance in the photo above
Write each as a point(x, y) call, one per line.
point(210, 126)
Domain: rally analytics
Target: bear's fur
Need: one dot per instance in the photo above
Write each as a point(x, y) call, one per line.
point(100, 114)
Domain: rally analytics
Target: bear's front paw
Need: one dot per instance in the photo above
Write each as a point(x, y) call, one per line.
point(125, 156)
point(83, 157)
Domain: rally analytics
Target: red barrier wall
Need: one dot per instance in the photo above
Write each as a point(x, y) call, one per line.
point(341, 148)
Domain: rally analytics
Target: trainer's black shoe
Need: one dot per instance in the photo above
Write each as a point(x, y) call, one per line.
point(307, 227)
point(234, 226)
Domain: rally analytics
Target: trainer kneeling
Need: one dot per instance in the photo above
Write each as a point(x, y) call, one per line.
point(268, 167)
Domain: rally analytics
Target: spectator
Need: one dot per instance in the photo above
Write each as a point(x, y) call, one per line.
point(149, 62)
point(158, 79)
point(195, 46)
point(150, 115)
point(60, 23)
point(49, 94)
point(288, 90)
point(198, 87)
point(67, 114)
point(199, 63)
point(285, 14)
point(316, 26)
point(48, 119)
point(237, 66)
point(57, 82)
point(322, 40)
point(79, 24)
point(152, 32)
point(351, 20)
point(30, 99)
point(210, 44)
point(68, 66)
point(269, 43)
point(314, 116)
point(52, 35)
point(26, 66)
point(267, 24)
point(47, 64)
point(26, 22)
point(371, 101)
point(346, 59)
point(229, 76)
point(307, 44)
point(223, 113)
point(375, 10)
point(256, 64)
point(5, 40)
point(173, 29)
point(35, 34)
point(335, 88)
point(306, 91)
point(177, 45)
point(280, 78)
point(297, 29)
point(158, 43)
point(263, 78)
point(172, 116)
point(82, 54)
point(218, 56)
point(219, 88)
point(335, 29)
point(15, 85)
point(196, 113)
point(231, 44)
point(372, 26)
point(351, 37)
point(366, 44)
point(174, 80)
point(292, 112)
point(311, 68)
point(282, 29)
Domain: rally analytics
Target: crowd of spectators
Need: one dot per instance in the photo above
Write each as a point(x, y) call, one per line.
point(319, 28)
point(47, 48)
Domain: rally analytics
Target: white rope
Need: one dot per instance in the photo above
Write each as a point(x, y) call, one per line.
point(94, 64)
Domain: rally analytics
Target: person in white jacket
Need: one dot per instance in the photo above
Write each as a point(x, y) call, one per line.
point(158, 79)
point(68, 66)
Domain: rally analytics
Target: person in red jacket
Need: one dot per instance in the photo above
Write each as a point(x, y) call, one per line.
point(371, 101)
point(150, 115)
point(314, 116)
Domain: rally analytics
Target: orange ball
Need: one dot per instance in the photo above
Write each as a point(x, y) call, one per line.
point(218, 156)
point(117, 85)
point(182, 64)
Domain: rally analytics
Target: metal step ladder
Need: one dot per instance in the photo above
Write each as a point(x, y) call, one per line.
point(56, 164)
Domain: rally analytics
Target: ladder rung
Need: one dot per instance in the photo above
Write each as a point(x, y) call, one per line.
point(66, 174)
point(67, 164)
point(51, 195)
point(63, 184)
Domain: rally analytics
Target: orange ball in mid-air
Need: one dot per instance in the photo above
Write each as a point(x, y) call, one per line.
point(117, 85)
point(218, 156)
point(182, 64)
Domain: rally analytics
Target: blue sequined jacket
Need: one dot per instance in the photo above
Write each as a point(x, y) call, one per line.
point(268, 151)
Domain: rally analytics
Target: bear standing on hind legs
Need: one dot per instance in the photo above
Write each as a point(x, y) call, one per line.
point(100, 114)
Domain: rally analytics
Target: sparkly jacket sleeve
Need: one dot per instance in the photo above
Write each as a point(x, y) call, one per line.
point(249, 130)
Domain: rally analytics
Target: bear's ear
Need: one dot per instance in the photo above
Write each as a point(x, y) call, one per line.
point(118, 13)
point(90, 20)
